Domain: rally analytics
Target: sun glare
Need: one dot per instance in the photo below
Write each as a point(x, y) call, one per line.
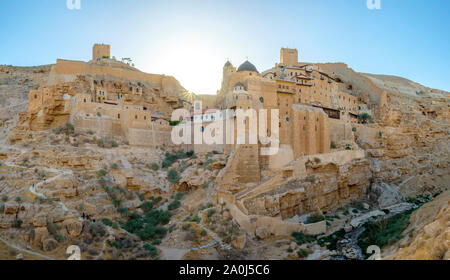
point(202, 64)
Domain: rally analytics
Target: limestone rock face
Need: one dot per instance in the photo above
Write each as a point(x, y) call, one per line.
point(11, 208)
point(386, 195)
point(328, 185)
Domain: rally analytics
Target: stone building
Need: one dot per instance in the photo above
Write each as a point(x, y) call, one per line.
point(106, 96)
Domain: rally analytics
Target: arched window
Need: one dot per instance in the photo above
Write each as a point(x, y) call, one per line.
point(135, 117)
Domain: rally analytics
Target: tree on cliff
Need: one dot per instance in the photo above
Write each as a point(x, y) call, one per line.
point(364, 117)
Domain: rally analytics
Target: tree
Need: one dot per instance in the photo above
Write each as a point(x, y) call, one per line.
point(364, 117)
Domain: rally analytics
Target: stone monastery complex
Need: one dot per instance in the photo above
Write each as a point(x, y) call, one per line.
point(317, 119)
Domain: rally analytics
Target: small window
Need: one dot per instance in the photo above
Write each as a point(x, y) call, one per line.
point(84, 100)
point(136, 117)
point(261, 99)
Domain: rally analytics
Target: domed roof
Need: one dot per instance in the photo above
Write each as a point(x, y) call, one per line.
point(247, 66)
point(238, 84)
point(228, 63)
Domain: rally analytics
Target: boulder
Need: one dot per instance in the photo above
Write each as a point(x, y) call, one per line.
point(49, 245)
point(262, 233)
point(240, 241)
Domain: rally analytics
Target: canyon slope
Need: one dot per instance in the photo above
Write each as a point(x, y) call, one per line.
point(49, 179)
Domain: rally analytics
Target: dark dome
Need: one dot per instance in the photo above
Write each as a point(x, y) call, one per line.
point(228, 64)
point(247, 66)
point(238, 84)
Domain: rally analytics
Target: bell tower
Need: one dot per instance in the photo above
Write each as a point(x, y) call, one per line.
point(100, 51)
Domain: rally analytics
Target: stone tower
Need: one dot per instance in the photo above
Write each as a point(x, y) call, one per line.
point(289, 56)
point(101, 51)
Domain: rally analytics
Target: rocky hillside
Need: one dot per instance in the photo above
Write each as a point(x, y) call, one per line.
point(428, 235)
point(59, 188)
point(15, 83)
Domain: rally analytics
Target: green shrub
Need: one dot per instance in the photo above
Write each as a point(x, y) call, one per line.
point(348, 147)
point(90, 132)
point(364, 117)
point(17, 223)
point(100, 143)
point(123, 211)
point(4, 198)
point(149, 226)
point(173, 176)
point(203, 232)
point(107, 222)
point(102, 172)
point(210, 212)
point(302, 253)
point(179, 196)
point(53, 229)
point(330, 241)
point(333, 145)
point(354, 129)
point(190, 154)
point(153, 251)
point(386, 232)
point(114, 166)
point(174, 205)
point(195, 219)
point(155, 167)
point(117, 202)
point(18, 199)
point(301, 238)
point(314, 218)
point(115, 244)
point(2, 208)
point(156, 242)
point(146, 206)
point(317, 160)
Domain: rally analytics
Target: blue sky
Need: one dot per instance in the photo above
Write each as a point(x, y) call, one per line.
point(192, 39)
